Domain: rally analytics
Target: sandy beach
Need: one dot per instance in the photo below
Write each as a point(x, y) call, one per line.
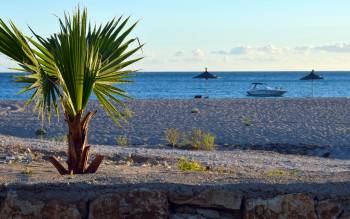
point(270, 158)
point(322, 122)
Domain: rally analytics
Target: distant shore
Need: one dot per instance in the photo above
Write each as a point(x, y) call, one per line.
point(311, 121)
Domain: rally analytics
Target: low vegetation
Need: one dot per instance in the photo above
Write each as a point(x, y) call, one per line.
point(276, 173)
point(40, 132)
point(27, 171)
point(200, 140)
point(127, 114)
point(197, 139)
point(184, 164)
point(172, 136)
point(195, 110)
point(247, 121)
point(208, 142)
point(122, 140)
point(282, 172)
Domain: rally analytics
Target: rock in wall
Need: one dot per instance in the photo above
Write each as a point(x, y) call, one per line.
point(142, 201)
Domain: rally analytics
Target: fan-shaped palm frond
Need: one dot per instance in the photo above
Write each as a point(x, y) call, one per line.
point(69, 66)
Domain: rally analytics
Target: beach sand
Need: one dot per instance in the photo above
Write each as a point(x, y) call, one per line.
point(275, 148)
point(316, 121)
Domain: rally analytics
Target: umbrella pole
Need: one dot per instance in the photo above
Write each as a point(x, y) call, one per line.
point(206, 87)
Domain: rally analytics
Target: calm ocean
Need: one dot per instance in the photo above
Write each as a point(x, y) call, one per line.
point(181, 85)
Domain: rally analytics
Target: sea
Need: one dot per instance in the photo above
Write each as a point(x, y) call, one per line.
point(182, 85)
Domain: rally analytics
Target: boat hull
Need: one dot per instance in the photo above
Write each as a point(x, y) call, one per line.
point(266, 93)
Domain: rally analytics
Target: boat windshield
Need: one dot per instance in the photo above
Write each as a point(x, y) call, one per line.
point(259, 86)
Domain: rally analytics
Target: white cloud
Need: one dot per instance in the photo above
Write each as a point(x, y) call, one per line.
point(259, 59)
point(272, 50)
point(303, 49)
point(220, 52)
point(179, 53)
point(198, 53)
point(245, 50)
point(329, 48)
point(335, 48)
point(240, 50)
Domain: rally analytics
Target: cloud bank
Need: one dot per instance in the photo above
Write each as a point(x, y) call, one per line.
point(274, 50)
point(246, 50)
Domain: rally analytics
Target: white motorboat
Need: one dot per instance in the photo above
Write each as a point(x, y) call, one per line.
point(262, 90)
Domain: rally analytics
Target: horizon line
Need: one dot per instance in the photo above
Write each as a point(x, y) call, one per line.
point(224, 71)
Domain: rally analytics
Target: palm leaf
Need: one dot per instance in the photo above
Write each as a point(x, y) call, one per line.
point(14, 44)
point(75, 62)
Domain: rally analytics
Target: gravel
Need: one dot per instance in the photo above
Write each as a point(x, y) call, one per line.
point(252, 159)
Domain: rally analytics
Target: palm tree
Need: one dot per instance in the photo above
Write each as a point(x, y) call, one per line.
point(66, 68)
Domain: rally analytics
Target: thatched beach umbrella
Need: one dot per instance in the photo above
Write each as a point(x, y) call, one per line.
point(206, 75)
point(312, 76)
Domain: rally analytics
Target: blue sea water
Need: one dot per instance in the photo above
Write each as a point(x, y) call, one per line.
point(181, 85)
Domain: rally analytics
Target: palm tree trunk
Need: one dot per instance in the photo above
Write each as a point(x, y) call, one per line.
point(78, 150)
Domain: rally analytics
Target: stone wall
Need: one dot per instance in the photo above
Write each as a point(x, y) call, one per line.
point(166, 201)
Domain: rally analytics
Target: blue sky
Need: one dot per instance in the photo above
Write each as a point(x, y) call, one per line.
point(227, 35)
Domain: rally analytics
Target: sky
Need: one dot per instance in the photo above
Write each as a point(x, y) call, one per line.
point(223, 35)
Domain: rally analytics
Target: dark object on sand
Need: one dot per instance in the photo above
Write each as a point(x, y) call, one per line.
point(312, 76)
point(195, 110)
point(40, 132)
point(206, 75)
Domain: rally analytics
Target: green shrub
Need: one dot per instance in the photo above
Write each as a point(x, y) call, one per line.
point(199, 140)
point(196, 138)
point(295, 172)
point(282, 172)
point(127, 113)
point(247, 121)
point(208, 142)
point(185, 164)
point(276, 173)
point(195, 110)
point(185, 140)
point(172, 136)
point(27, 171)
point(40, 132)
point(122, 140)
